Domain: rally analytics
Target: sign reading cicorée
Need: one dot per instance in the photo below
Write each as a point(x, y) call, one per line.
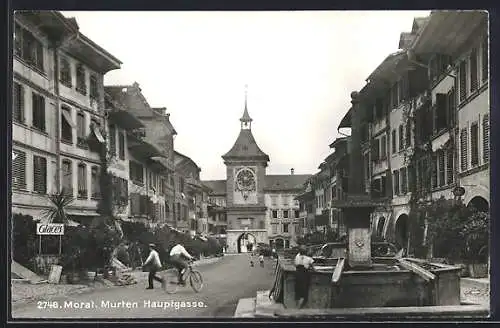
point(56, 229)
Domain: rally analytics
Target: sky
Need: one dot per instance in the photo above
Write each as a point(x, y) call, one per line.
point(300, 68)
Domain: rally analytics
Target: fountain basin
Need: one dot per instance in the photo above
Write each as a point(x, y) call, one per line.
point(386, 284)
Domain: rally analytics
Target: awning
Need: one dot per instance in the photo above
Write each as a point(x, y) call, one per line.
point(142, 149)
point(81, 212)
point(346, 120)
point(441, 141)
point(97, 134)
point(68, 119)
point(124, 119)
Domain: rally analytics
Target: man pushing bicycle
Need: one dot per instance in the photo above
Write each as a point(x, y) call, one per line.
point(178, 254)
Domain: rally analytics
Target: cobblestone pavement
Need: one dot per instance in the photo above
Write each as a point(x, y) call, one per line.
point(226, 281)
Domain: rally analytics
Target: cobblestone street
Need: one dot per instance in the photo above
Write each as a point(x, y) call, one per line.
point(226, 281)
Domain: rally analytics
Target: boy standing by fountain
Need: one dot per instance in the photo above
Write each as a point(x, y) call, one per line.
point(303, 266)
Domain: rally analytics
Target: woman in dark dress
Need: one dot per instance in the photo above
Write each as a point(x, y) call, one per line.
point(303, 266)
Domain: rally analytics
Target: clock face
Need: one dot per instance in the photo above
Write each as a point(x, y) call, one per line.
point(245, 180)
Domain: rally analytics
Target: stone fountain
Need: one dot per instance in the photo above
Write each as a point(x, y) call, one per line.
point(359, 286)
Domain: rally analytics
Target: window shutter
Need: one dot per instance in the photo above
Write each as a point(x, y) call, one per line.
point(462, 80)
point(474, 140)
point(39, 174)
point(441, 168)
point(473, 70)
point(450, 108)
point(449, 167)
point(434, 170)
point(394, 147)
point(408, 133)
point(18, 102)
point(463, 149)
point(441, 111)
point(484, 59)
point(19, 171)
point(486, 138)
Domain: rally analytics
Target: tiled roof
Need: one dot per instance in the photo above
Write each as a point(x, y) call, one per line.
point(285, 182)
point(272, 183)
point(217, 186)
point(246, 147)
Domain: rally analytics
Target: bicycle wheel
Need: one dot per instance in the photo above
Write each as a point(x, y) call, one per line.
point(196, 281)
point(170, 281)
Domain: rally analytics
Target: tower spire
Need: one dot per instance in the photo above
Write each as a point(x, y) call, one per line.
point(246, 120)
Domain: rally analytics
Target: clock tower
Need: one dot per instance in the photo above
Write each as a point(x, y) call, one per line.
point(245, 176)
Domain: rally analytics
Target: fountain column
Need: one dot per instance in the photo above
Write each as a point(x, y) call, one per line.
point(357, 205)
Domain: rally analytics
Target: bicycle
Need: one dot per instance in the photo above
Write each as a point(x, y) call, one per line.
point(171, 281)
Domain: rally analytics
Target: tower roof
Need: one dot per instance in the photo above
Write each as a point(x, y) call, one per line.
point(246, 117)
point(245, 147)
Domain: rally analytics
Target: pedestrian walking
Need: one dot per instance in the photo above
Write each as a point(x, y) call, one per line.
point(251, 259)
point(261, 260)
point(153, 264)
point(303, 266)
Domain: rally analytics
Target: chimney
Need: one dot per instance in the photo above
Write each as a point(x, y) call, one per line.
point(292, 170)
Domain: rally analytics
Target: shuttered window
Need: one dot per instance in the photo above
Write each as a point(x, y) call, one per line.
point(450, 107)
point(383, 147)
point(67, 176)
point(473, 70)
point(29, 48)
point(112, 140)
point(39, 174)
point(474, 141)
point(19, 170)
point(82, 181)
point(81, 132)
point(463, 149)
point(404, 181)
point(401, 137)
point(66, 128)
point(408, 134)
point(94, 93)
point(462, 76)
point(484, 59)
point(81, 84)
point(440, 112)
point(18, 103)
point(395, 179)
point(38, 111)
point(394, 147)
point(434, 170)
point(486, 138)
point(65, 72)
point(441, 168)
point(121, 145)
point(134, 203)
point(449, 166)
point(95, 183)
